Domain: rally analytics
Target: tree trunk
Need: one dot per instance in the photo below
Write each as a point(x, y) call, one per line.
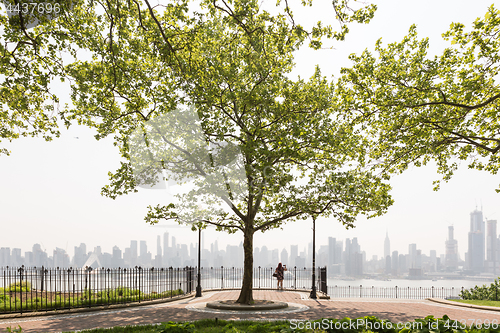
point(246, 294)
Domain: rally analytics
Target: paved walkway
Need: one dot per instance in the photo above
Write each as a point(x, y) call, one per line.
point(395, 310)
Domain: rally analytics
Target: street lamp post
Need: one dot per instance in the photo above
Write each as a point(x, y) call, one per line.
point(198, 287)
point(313, 289)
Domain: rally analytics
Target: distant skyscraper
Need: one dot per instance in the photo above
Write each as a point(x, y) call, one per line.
point(117, 257)
point(284, 257)
point(491, 246)
point(80, 255)
point(5, 256)
point(394, 263)
point(133, 253)
point(144, 248)
point(475, 253)
point(61, 258)
point(412, 256)
point(387, 245)
point(387, 254)
point(165, 249)
point(294, 253)
point(332, 245)
point(353, 258)
point(174, 245)
point(451, 258)
point(433, 257)
point(158, 245)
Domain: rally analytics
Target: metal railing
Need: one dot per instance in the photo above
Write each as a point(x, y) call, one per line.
point(232, 278)
point(393, 292)
point(27, 289)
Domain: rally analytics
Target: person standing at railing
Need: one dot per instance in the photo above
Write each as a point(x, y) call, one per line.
point(280, 274)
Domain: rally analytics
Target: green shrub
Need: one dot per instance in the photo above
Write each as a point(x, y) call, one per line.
point(4, 297)
point(19, 329)
point(491, 293)
point(19, 286)
point(173, 327)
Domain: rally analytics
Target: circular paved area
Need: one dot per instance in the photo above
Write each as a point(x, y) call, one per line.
point(395, 310)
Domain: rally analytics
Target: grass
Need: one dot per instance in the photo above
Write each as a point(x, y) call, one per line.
point(206, 326)
point(477, 302)
point(439, 325)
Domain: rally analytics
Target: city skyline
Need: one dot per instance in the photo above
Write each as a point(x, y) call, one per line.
point(341, 256)
point(51, 190)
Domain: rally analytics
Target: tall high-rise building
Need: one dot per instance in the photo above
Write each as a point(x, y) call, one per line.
point(144, 248)
point(294, 253)
point(174, 246)
point(491, 246)
point(133, 253)
point(412, 255)
point(80, 255)
point(475, 253)
point(387, 245)
point(61, 258)
point(5, 256)
point(332, 246)
point(451, 256)
point(284, 257)
point(158, 246)
point(394, 263)
point(165, 244)
point(16, 258)
point(353, 258)
point(117, 257)
point(433, 257)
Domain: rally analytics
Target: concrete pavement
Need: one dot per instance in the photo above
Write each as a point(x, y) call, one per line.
point(395, 310)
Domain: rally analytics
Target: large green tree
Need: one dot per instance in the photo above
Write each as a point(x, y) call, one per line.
point(230, 62)
point(419, 108)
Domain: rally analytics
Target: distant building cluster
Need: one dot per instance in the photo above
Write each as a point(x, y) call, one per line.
point(343, 258)
point(168, 254)
point(480, 258)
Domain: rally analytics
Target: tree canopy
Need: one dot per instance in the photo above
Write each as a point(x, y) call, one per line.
point(30, 60)
point(225, 66)
point(419, 108)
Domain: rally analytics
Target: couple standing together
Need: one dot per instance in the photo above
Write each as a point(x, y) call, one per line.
point(279, 273)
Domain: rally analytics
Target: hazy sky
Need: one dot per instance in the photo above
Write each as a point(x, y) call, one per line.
point(50, 192)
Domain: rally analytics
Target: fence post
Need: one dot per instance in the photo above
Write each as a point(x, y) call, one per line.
point(323, 280)
point(432, 291)
point(90, 288)
point(20, 270)
point(360, 291)
point(42, 278)
point(259, 277)
point(295, 277)
point(396, 291)
point(221, 277)
point(140, 274)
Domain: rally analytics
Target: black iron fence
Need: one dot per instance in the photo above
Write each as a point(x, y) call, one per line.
point(393, 292)
point(28, 289)
point(232, 278)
